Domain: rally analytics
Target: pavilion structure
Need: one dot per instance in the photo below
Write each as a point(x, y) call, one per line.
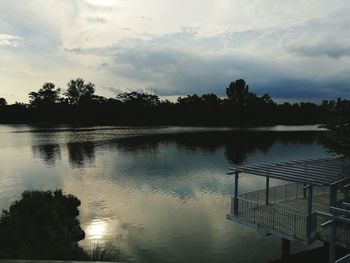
point(310, 202)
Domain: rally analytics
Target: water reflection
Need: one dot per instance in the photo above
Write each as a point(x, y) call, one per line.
point(49, 153)
point(102, 230)
point(167, 194)
point(81, 154)
point(238, 145)
point(96, 230)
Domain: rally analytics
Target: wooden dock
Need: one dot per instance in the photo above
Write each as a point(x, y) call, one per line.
point(314, 205)
point(288, 219)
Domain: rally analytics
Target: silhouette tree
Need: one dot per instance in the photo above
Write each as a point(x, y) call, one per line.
point(47, 95)
point(190, 101)
point(266, 99)
point(211, 100)
point(337, 139)
point(79, 92)
point(241, 107)
point(3, 102)
point(140, 99)
point(238, 92)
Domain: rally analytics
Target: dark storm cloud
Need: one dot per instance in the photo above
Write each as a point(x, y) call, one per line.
point(305, 88)
point(329, 49)
point(171, 71)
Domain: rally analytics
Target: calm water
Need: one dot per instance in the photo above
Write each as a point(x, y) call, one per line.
point(162, 193)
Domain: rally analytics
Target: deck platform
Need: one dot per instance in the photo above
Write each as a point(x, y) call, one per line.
point(313, 204)
point(287, 215)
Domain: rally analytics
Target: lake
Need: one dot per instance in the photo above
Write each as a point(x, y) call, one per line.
point(161, 193)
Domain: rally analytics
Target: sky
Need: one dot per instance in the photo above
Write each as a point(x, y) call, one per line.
point(290, 49)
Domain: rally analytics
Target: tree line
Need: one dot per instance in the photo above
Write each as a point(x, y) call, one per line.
point(79, 104)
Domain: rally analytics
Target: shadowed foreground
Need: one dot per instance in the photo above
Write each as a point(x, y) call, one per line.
point(319, 255)
point(43, 226)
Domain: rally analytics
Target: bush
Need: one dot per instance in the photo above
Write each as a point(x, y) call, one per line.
point(42, 225)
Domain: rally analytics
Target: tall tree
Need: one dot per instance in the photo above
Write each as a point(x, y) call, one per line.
point(46, 95)
point(3, 102)
point(79, 92)
point(238, 92)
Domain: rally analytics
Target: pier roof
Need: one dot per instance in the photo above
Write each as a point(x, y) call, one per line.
point(320, 171)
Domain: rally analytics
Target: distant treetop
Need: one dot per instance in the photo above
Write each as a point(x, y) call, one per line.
point(79, 92)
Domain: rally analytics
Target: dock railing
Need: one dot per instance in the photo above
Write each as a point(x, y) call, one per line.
point(282, 193)
point(324, 233)
point(283, 221)
point(288, 223)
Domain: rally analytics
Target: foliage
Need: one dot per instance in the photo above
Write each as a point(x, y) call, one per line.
point(79, 104)
point(140, 99)
point(3, 102)
point(107, 252)
point(337, 139)
point(42, 225)
point(238, 92)
point(47, 95)
point(79, 92)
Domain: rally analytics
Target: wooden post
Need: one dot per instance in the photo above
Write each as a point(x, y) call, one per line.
point(236, 194)
point(309, 210)
point(333, 242)
point(285, 248)
point(332, 195)
point(309, 200)
point(332, 224)
point(267, 190)
point(285, 194)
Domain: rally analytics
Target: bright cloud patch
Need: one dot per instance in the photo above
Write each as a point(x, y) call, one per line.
point(9, 40)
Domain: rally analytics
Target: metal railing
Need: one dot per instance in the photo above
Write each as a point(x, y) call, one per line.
point(251, 207)
point(345, 259)
point(283, 221)
point(282, 193)
point(324, 233)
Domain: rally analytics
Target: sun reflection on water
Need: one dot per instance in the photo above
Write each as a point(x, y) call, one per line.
point(97, 229)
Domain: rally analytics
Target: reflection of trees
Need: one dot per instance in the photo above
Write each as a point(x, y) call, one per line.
point(81, 153)
point(246, 143)
point(238, 145)
point(49, 153)
point(144, 144)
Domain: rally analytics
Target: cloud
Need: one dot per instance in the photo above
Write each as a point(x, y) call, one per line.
point(100, 20)
point(10, 40)
point(292, 48)
point(329, 49)
point(115, 91)
point(186, 62)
